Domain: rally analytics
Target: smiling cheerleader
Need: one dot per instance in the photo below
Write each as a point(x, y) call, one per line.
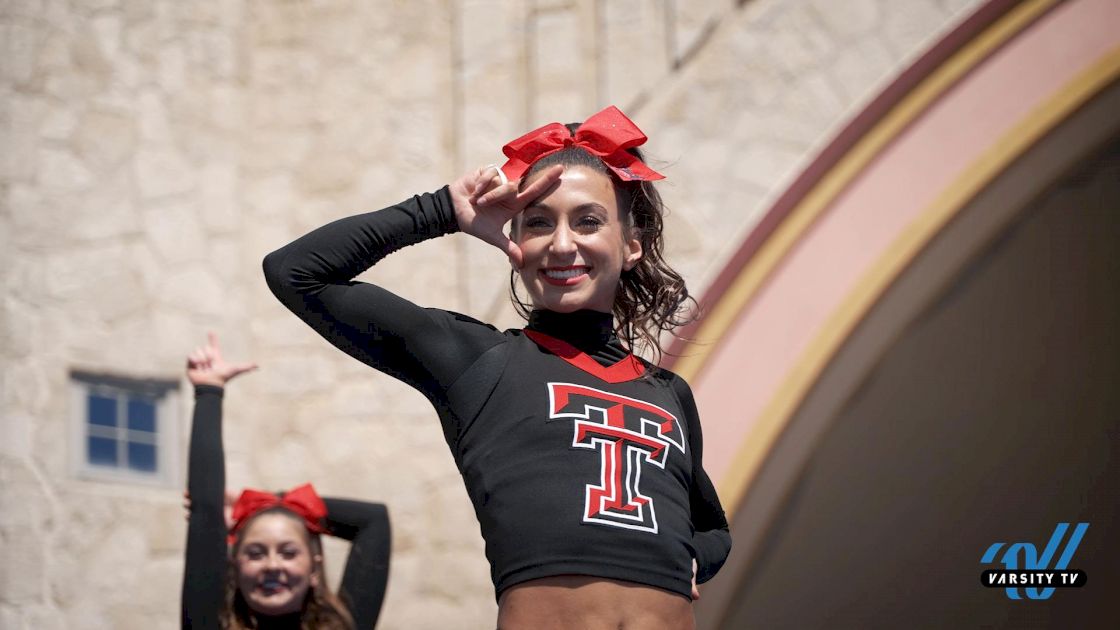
point(583, 461)
point(261, 566)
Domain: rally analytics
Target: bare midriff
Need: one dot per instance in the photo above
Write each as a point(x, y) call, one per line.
point(563, 602)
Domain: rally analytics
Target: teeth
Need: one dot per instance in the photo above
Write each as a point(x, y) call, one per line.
point(564, 275)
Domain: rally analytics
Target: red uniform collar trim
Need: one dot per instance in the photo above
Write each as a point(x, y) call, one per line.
point(626, 369)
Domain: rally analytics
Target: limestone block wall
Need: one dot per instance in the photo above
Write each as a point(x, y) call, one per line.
point(152, 151)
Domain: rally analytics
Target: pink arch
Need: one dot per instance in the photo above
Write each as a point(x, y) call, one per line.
point(761, 348)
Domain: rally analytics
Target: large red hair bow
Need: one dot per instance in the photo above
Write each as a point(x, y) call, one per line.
point(303, 501)
point(607, 135)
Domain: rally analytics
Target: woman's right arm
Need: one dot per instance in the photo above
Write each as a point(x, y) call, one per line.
point(204, 573)
point(312, 277)
point(205, 567)
point(426, 348)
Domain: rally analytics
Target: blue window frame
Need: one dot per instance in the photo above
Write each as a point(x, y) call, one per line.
point(126, 427)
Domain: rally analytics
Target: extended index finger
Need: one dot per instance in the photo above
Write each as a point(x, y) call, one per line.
point(214, 350)
point(539, 186)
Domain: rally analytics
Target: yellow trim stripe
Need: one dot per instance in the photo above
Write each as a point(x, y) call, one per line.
point(898, 256)
point(723, 314)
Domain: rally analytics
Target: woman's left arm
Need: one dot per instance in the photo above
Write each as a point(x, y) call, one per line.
point(711, 540)
point(366, 526)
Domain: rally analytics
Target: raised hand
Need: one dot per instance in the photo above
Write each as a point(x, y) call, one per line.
point(205, 366)
point(485, 203)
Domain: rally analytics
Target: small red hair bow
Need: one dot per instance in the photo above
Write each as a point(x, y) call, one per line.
point(303, 501)
point(607, 135)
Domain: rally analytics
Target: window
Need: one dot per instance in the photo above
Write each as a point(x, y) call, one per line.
point(124, 428)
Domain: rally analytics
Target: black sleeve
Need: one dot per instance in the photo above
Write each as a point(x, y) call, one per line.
point(312, 276)
point(366, 526)
point(205, 567)
point(711, 540)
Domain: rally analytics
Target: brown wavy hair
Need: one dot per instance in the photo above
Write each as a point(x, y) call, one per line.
point(652, 297)
point(322, 608)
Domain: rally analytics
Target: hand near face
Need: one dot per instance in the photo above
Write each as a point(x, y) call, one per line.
point(484, 205)
point(206, 366)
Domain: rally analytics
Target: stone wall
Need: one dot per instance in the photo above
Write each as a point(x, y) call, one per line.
point(154, 150)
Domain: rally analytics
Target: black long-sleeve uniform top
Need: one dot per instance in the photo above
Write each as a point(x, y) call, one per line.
point(578, 460)
point(365, 525)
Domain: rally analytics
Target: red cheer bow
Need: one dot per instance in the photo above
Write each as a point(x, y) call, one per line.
point(303, 501)
point(607, 135)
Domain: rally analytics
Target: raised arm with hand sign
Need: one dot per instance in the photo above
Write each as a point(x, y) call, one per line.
point(255, 560)
point(206, 366)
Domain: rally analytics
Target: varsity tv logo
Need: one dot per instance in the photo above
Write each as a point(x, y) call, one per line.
point(1036, 571)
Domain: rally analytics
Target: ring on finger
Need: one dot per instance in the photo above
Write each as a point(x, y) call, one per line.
point(501, 175)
